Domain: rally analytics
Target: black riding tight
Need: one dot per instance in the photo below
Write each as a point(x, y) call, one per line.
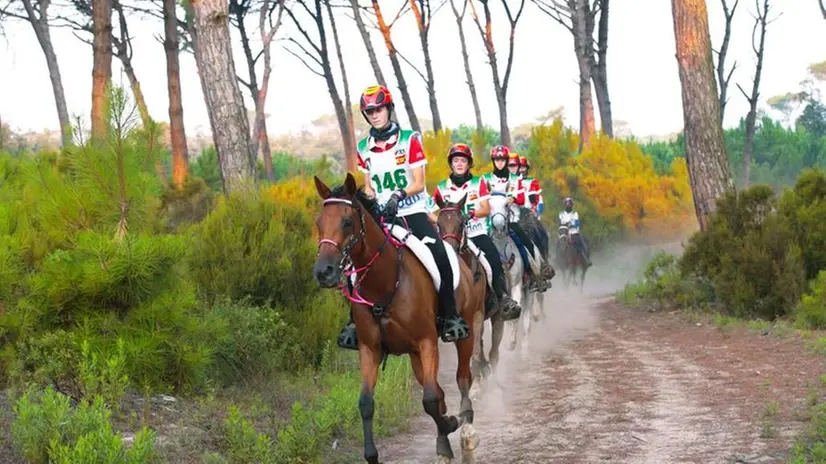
point(485, 244)
point(421, 228)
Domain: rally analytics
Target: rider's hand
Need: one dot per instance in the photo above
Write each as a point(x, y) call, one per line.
point(392, 206)
point(511, 200)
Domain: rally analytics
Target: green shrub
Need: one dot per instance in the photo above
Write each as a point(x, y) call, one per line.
point(248, 247)
point(804, 207)
point(749, 256)
point(48, 429)
point(811, 312)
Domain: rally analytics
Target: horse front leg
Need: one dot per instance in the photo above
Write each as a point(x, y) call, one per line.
point(433, 398)
point(369, 359)
point(516, 294)
point(497, 333)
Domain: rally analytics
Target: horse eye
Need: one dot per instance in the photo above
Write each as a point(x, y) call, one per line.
point(347, 223)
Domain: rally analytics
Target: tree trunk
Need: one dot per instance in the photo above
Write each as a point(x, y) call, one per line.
point(177, 133)
point(124, 54)
point(228, 119)
point(397, 69)
point(600, 72)
point(582, 21)
point(261, 99)
point(365, 37)
point(41, 31)
point(708, 167)
point(751, 118)
point(101, 66)
point(722, 79)
point(252, 86)
point(422, 15)
point(477, 111)
point(348, 136)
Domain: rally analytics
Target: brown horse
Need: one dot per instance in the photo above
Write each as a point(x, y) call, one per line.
point(569, 259)
point(402, 319)
point(452, 230)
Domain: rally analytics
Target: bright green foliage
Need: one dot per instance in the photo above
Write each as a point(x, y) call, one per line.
point(252, 247)
point(49, 429)
point(811, 312)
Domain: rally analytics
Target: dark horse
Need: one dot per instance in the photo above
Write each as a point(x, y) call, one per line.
point(536, 231)
point(569, 259)
point(403, 318)
point(452, 230)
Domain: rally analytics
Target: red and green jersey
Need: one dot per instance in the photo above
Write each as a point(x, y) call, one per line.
point(476, 190)
point(391, 168)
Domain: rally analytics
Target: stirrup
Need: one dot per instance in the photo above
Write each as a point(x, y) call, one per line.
point(348, 338)
point(454, 329)
point(510, 308)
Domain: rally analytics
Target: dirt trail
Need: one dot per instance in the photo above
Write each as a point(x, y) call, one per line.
point(603, 383)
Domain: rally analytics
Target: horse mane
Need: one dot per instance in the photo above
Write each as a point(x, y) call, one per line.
point(528, 220)
point(370, 204)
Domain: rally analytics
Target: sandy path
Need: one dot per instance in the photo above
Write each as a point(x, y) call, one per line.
point(604, 383)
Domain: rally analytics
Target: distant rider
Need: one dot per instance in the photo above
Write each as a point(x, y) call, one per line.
point(570, 219)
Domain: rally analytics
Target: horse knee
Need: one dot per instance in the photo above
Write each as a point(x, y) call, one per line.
point(366, 406)
point(430, 402)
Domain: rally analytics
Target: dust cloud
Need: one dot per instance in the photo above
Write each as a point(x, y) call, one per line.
point(500, 401)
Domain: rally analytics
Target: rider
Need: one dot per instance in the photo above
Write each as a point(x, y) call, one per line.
point(505, 179)
point(532, 184)
point(534, 192)
point(463, 183)
point(570, 219)
point(393, 161)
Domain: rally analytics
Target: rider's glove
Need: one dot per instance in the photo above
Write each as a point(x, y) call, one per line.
point(392, 206)
point(471, 214)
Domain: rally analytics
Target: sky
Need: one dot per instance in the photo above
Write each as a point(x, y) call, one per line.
point(643, 78)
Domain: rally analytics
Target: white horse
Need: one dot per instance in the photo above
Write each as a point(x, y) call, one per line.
point(514, 268)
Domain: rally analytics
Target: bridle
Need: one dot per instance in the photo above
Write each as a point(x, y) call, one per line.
point(346, 265)
point(459, 236)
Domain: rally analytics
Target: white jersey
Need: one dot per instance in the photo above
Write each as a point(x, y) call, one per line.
point(392, 170)
point(571, 220)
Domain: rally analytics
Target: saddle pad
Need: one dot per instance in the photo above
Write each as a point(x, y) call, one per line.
point(482, 259)
point(422, 252)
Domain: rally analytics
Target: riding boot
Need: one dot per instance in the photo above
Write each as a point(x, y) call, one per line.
point(347, 338)
point(452, 326)
point(510, 308)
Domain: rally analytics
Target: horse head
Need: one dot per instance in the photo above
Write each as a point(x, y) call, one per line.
point(451, 222)
point(499, 212)
point(342, 229)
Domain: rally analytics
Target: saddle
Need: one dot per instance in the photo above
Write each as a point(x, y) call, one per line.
point(425, 256)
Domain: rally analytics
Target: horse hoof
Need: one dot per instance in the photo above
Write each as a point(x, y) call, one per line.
point(469, 438)
point(443, 449)
point(443, 460)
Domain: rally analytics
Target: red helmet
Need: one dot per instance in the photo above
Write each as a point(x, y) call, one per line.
point(513, 157)
point(460, 149)
point(524, 162)
point(375, 97)
point(499, 152)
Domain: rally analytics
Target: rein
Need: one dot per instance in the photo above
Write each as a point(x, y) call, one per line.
point(348, 268)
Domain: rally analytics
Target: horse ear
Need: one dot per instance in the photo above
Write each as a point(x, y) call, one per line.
point(350, 185)
point(321, 188)
point(440, 202)
point(461, 203)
